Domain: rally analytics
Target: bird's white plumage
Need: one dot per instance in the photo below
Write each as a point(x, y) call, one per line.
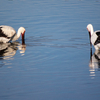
point(93, 38)
point(8, 33)
point(8, 30)
point(4, 40)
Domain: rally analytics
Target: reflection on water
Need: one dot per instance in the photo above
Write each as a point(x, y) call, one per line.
point(94, 62)
point(8, 50)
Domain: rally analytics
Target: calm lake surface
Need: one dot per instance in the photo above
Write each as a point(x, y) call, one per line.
point(55, 63)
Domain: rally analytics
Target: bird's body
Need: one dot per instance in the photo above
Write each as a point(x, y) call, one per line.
point(7, 33)
point(94, 37)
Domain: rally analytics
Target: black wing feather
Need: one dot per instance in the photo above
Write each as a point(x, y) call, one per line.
point(2, 34)
point(97, 41)
point(98, 33)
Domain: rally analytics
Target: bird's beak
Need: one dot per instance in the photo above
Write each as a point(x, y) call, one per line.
point(23, 41)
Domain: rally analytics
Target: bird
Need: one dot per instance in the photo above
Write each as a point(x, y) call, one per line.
point(8, 33)
point(94, 37)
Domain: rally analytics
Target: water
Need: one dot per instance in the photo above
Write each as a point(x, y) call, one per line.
point(55, 62)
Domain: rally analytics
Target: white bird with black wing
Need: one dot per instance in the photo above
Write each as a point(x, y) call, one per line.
point(94, 37)
point(7, 33)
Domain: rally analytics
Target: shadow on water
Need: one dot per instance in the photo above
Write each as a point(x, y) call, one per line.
point(94, 63)
point(8, 50)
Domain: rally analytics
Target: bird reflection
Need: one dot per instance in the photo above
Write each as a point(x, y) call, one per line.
point(94, 62)
point(8, 50)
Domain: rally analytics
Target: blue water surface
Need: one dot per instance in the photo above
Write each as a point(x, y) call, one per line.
point(55, 61)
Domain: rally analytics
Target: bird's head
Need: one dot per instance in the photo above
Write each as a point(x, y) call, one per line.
point(90, 29)
point(22, 31)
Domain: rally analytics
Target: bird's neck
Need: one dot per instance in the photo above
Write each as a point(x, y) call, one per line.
point(16, 37)
point(18, 33)
point(92, 31)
